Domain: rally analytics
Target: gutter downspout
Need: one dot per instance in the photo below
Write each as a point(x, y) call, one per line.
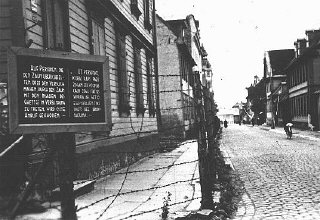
point(159, 121)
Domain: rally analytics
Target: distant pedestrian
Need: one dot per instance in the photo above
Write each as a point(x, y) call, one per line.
point(225, 123)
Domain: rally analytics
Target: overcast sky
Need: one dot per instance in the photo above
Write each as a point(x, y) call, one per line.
point(236, 33)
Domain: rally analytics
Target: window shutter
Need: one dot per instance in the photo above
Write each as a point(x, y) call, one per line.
point(97, 35)
point(122, 74)
point(138, 81)
point(150, 88)
point(49, 25)
point(102, 41)
point(146, 8)
point(56, 34)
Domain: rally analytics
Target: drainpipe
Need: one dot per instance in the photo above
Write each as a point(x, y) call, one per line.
point(159, 121)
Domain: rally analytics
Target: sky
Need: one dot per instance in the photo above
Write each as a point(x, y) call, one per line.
point(236, 33)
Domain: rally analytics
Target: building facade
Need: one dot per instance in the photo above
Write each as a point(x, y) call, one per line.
point(122, 31)
point(304, 82)
point(275, 62)
point(176, 80)
point(256, 102)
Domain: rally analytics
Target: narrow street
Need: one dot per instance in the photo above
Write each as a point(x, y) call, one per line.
point(280, 175)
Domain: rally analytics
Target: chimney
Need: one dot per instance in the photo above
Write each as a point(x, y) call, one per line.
point(300, 45)
point(313, 36)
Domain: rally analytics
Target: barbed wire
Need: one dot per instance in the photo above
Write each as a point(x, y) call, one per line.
point(116, 196)
point(102, 152)
point(131, 123)
point(11, 146)
point(161, 109)
point(106, 137)
point(152, 75)
point(163, 91)
point(159, 208)
point(138, 131)
point(135, 191)
point(141, 171)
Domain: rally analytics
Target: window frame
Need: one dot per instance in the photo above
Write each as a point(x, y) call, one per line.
point(146, 13)
point(138, 80)
point(98, 21)
point(124, 107)
point(52, 24)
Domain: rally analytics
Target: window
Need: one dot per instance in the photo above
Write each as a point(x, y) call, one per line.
point(146, 9)
point(138, 82)
point(150, 91)
point(135, 8)
point(123, 95)
point(56, 33)
point(304, 73)
point(191, 77)
point(98, 42)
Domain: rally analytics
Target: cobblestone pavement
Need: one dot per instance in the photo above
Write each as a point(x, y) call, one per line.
point(281, 176)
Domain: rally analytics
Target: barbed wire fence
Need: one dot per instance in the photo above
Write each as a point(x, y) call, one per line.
point(205, 128)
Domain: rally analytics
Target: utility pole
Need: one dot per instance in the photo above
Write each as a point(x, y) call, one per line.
point(210, 126)
point(205, 183)
point(65, 145)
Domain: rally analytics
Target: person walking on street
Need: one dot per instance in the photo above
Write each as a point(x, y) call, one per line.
point(225, 123)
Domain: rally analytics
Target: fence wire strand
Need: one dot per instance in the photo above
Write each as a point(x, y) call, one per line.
point(139, 127)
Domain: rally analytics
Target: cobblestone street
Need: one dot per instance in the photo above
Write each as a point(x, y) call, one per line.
point(281, 176)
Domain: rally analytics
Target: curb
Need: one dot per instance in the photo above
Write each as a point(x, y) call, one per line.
point(246, 208)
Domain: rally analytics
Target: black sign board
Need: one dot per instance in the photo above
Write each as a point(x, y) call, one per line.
point(54, 91)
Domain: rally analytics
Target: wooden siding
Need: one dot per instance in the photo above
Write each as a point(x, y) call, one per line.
point(80, 43)
point(124, 8)
point(79, 30)
point(34, 32)
point(5, 37)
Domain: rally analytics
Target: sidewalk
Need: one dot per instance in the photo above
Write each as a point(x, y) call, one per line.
point(139, 191)
point(311, 135)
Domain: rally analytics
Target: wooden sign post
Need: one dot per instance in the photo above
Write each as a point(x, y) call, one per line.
point(60, 93)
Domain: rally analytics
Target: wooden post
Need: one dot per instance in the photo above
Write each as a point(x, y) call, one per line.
point(210, 126)
point(206, 189)
point(65, 144)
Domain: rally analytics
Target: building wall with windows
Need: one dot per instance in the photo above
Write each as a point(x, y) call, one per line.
point(304, 86)
point(123, 31)
point(275, 62)
point(175, 77)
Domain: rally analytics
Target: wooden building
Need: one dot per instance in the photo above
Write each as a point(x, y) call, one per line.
point(304, 82)
point(275, 62)
point(122, 31)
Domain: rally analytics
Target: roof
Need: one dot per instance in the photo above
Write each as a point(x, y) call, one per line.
point(176, 25)
point(279, 60)
point(309, 51)
point(180, 43)
point(168, 25)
